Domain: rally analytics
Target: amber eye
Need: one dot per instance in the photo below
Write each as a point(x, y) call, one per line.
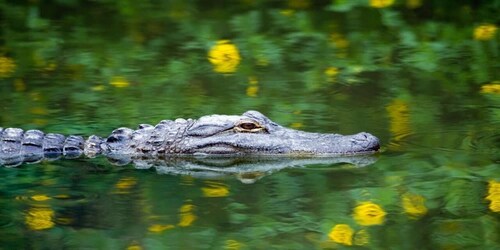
point(248, 125)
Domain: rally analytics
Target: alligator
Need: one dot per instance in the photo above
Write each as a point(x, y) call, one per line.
point(248, 134)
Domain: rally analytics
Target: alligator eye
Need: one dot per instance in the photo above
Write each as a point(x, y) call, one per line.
point(248, 125)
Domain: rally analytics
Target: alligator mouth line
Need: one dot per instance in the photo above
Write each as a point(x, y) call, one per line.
point(220, 148)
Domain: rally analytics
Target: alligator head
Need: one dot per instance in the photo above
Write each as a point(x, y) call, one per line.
point(253, 133)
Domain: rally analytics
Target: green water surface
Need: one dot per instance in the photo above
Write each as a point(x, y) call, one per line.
point(421, 75)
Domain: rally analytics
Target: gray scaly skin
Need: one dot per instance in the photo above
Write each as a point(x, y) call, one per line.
point(251, 133)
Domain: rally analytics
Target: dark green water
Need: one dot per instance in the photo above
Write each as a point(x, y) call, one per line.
point(421, 77)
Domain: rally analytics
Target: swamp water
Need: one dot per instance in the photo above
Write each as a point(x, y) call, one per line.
point(423, 80)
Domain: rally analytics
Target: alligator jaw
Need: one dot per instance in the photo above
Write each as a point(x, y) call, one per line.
point(273, 139)
point(316, 145)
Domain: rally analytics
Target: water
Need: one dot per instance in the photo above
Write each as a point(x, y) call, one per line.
point(427, 87)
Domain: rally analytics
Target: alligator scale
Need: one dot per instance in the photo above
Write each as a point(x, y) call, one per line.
point(251, 133)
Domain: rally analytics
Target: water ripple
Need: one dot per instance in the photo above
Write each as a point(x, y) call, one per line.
point(487, 141)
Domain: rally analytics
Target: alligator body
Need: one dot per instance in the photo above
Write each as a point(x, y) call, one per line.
point(251, 133)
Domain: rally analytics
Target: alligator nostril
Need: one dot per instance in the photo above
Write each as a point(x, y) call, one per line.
point(365, 140)
point(361, 137)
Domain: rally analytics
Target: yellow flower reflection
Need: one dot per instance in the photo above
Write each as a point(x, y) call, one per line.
point(40, 197)
point(493, 88)
point(368, 214)
point(99, 87)
point(158, 228)
point(39, 111)
point(381, 3)
point(485, 32)
point(124, 185)
point(186, 215)
point(19, 85)
point(494, 196)
point(215, 189)
point(331, 73)
point(297, 125)
point(361, 237)
point(413, 204)
point(399, 118)
point(119, 82)
point(233, 245)
point(134, 246)
point(299, 4)
point(224, 56)
point(339, 41)
point(287, 12)
point(413, 4)
point(342, 233)
point(253, 87)
point(40, 218)
point(7, 66)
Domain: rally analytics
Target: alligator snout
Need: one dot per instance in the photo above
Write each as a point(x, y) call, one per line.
point(366, 141)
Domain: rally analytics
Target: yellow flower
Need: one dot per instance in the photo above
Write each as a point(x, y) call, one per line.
point(492, 88)
point(233, 245)
point(252, 80)
point(253, 88)
point(413, 4)
point(99, 87)
point(252, 91)
point(39, 111)
point(62, 196)
point(299, 4)
point(119, 82)
point(494, 196)
point(40, 197)
point(157, 228)
point(19, 85)
point(331, 73)
point(381, 3)
point(40, 218)
point(224, 56)
point(262, 60)
point(287, 12)
point(342, 233)
point(7, 66)
point(40, 121)
point(297, 125)
point(186, 215)
point(215, 189)
point(413, 204)
point(485, 32)
point(50, 66)
point(368, 214)
point(134, 246)
point(339, 41)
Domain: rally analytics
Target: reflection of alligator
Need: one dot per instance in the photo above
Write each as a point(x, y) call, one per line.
point(249, 134)
point(246, 169)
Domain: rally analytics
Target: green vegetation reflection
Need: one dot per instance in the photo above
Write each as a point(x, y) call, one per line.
point(423, 75)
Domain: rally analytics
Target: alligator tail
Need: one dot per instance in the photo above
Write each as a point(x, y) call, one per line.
point(31, 146)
